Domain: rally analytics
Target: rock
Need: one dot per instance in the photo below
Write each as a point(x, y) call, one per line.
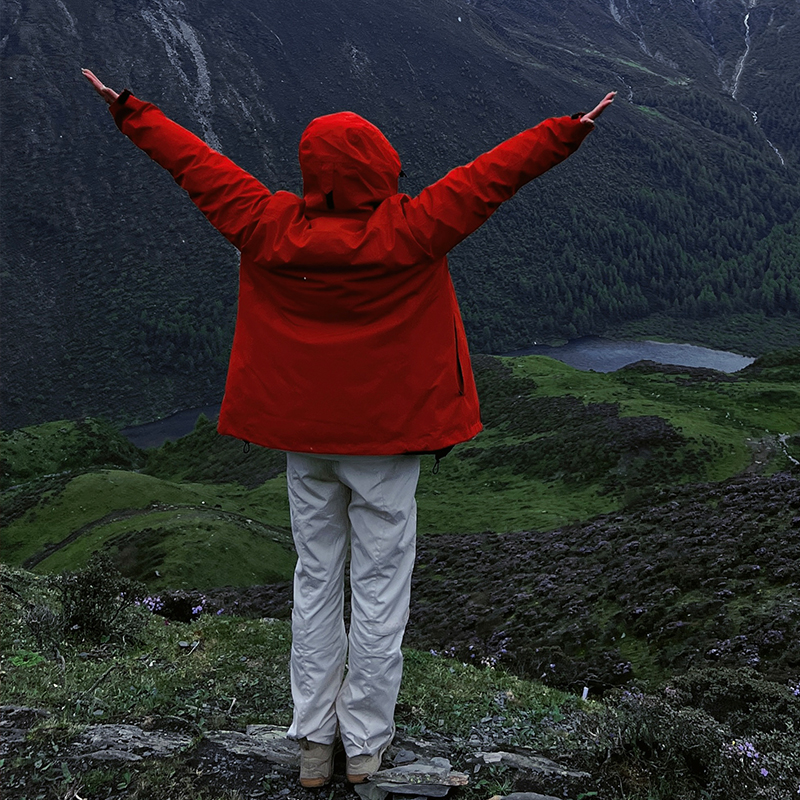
point(15, 721)
point(128, 743)
point(112, 754)
point(20, 716)
point(434, 744)
point(530, 763)
point(369, 791)
point(267, 732)
point(261, 741)
point(170, 723)
point(427, 790)
point(405, 757)
point(428, 777)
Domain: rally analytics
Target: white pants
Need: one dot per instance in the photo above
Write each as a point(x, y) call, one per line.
point(368, 502)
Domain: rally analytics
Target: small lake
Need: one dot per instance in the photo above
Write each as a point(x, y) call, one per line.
point(588, 353)
point(154, 434)
point(608, 355)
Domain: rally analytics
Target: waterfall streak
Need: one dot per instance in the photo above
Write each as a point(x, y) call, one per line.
point(737, 75)
point(782, 439)
point(176, 34)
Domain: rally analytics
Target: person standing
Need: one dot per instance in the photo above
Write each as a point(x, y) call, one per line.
point(349, 354)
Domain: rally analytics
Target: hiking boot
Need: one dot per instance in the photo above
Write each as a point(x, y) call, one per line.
point(316, 764)
point(361, 768)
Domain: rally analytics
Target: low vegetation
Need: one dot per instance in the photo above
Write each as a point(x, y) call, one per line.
point(702, 734)
point(560, 446)
point(628, 535)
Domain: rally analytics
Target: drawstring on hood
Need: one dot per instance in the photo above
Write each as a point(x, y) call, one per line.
point(348, 165)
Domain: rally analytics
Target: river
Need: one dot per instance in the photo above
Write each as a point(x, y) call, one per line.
point(588, 353)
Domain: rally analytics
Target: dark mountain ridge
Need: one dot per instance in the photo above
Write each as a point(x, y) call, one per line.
point(119, 299)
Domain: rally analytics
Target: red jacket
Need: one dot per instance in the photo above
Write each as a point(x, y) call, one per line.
point(348, 338)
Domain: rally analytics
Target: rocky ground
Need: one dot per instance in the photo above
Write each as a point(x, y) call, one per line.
point(262, 763)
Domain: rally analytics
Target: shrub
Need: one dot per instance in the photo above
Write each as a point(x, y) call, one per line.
point(99, 604)
point(649, 746)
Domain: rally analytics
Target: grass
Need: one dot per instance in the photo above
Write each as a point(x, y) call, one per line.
point(165, 533)
point(195, 670)
point(450, 697)
point(214, 673)
point(715, 417)
point(242, 659)
point(175, 549)
point(63, 446)
point(722, 412)
point(463, 498)
point(86, 499)
point(220, 673)
point(205, 514)
point(245, 660)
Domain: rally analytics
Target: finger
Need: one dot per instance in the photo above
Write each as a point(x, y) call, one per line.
point(91, 77)
point(602, 106)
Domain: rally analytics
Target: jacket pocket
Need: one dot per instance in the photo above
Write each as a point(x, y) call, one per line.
point(459, 370)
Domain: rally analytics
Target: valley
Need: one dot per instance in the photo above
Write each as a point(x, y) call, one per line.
point(608, 576)
point(628, 537)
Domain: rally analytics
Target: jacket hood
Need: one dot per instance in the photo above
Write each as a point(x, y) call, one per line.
point(347, 164)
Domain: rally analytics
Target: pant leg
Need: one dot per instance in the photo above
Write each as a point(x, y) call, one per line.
point(383, 517)
point(318, 502)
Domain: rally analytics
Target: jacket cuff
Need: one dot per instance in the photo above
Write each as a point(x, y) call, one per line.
point(121, 108)
point(579, 117)
point(123, 97)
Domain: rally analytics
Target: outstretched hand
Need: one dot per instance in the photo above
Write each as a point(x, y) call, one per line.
point(109, 95)
point(592, 115)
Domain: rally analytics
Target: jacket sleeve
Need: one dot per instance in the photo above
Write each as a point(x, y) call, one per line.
point(232, 200)
point(453, 207)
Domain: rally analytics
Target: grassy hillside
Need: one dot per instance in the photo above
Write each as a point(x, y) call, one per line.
point(162, 532)
point(62, 447)
point(720, 732)
point(559, 446)
point(676, 606)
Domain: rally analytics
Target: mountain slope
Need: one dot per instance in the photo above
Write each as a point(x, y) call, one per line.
point(120, 300)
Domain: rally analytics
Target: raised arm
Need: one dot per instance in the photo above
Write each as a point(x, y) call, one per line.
point(232, 200)
point(450, 209)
